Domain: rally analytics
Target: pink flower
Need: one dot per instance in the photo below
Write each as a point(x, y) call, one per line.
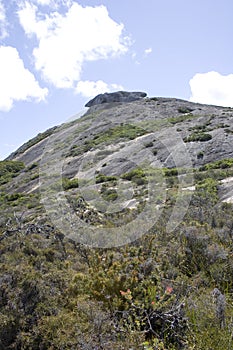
point(126, 294)
point(169, 290)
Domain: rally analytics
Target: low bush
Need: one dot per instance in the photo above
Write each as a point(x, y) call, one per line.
point(135, 175)
point(9, 169)
point(109, 194)
point(219, 164)
point(181, 118)
point(119, 132)
point(184, 109)
point(200, 136)
point(104, 178)
point(69, 183)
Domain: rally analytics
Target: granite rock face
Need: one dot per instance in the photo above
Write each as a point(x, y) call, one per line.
point(114, 138)
point(119, 96)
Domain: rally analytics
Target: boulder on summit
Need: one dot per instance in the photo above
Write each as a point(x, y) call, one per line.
point(119, 96)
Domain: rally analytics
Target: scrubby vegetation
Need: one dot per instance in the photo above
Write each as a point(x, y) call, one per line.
point(219, 164)
point(137, 176)
point(117, 133)
point(104, 178)
point(69, 183)
point(167, 290)
point(184, 109)
point(198, 136)
point(9, 169)
point(182, 118)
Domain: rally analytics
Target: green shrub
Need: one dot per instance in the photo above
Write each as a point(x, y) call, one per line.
point(135, 173)
point(198, 128)
point(170, 172)
point(219, 164)
point(208, 185)
point(138, 176)
point(205, 331)
point(200, 155)
point(184, 109)
point(228, 131)
point(119, 132)
point(181, 118)
point(10, 166)
point(34, 176)
point(32, 166)
point(109, 194)
point(104, 178)
point(203, 137)
point(204, 199)
point(13, 197)
point(9, 169)
point(149, 144)
point(69, 183)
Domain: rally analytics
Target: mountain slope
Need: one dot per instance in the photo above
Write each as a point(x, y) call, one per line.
point(116, 230)
point(119, 137)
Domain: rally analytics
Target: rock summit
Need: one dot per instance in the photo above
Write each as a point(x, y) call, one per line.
point(119, 96)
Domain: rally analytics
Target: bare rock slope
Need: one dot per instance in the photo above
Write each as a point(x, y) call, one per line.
point(125, 130)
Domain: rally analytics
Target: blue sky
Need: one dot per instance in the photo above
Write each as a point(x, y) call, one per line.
point(57, 54)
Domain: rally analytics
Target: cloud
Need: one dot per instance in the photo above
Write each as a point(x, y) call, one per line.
point(3, 21)
point(43, 2)
point(92, 88)
point(66, 41)
point(17, 83)
point(212, 88)
point(52, 3)
point(148, 51)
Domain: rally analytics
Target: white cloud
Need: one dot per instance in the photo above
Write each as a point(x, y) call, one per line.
point(212, 88)
point(134, 58)
point(3, 21)
point(17, 83)
point(92, 88)
point(51, 3)
point(66, 41)
point(2, 12)
point(148, 51)
point(43, 2)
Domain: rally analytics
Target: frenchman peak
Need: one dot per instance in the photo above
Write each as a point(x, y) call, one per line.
point(172, 132)
point(116, 229)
